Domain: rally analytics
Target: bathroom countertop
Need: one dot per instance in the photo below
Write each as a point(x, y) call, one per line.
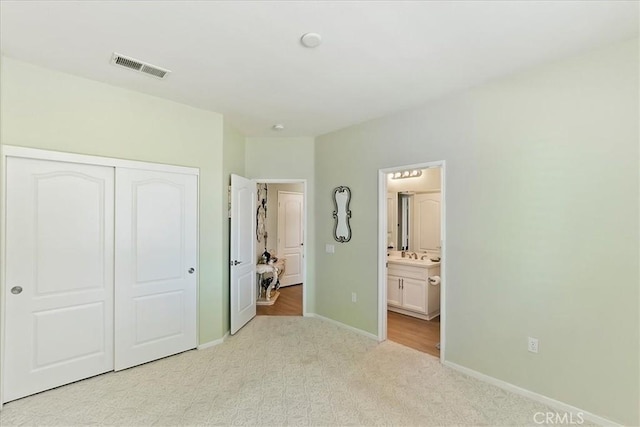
point(425, 263)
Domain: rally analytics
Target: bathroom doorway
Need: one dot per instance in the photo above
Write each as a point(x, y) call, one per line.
point(280, 236)
point(411, 265)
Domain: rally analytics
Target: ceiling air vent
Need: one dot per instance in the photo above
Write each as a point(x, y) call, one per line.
point(136, 65)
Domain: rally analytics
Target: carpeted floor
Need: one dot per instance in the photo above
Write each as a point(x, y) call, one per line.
point(281, 371)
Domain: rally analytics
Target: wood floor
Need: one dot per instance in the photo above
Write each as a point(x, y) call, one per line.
point(289, 303)
point(422, 335)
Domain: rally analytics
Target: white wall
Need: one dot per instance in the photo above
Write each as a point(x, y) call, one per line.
point(542, 225)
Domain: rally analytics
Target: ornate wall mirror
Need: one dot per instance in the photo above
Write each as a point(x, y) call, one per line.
point(341, 214)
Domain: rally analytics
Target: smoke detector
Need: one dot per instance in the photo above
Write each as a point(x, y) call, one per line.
point(311, 40)
point(140, 66)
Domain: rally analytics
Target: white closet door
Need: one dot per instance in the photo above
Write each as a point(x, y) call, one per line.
point(156, 257)
point(59, 274)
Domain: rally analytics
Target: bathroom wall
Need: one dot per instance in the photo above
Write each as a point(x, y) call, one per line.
point(542, 171)
point(429, 180)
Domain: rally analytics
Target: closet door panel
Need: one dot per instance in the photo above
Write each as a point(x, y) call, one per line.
point(59, 277)
point(156, 256)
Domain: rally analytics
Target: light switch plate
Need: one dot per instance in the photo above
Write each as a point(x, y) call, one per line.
point(330, 249)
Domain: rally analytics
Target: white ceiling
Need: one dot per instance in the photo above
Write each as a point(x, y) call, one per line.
point(243, 58)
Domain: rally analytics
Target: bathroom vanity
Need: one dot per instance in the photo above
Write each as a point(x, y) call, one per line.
point(413, 287)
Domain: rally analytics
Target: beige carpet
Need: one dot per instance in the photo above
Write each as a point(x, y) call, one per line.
point(280, 371)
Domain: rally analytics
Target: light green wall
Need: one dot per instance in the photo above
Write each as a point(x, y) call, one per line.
point(288, 158)
point(46, 109)
point(233, 162)
point(542, 225)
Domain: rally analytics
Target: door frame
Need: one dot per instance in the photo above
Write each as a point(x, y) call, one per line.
point(61, 156)
point(305, 281)
point(382, 248)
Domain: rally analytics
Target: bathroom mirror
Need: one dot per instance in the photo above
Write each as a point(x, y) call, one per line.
point(341, 214)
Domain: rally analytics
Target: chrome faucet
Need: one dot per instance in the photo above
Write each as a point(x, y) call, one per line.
point(410, 255)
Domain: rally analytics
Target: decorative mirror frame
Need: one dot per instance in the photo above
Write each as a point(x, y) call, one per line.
point(261, 214)
point(341, 239)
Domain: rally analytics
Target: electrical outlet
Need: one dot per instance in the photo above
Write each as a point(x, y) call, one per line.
point(533, 345)
point(354, 297)
point(330, 249)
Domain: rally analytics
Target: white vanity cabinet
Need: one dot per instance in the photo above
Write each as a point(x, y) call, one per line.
point(409, 291)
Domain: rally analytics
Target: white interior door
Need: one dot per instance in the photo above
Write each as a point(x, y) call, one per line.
point(427, 222)
point(156, 261)
point(243, 250)
point(291, 236)
point(59, 274)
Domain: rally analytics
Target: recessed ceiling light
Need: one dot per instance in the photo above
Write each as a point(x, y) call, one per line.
point(311, 40)
point(277, 127)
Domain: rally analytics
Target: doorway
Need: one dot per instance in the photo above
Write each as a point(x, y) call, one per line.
point(411, 250)
point(283, 237)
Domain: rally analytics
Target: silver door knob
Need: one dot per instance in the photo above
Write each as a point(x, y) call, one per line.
point(191, 270)
point(16, 290)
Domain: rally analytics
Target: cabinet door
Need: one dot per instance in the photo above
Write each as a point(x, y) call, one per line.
point(414, 295)
point(394, 293)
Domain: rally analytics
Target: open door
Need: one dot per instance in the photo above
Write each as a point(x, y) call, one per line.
point(243, 252)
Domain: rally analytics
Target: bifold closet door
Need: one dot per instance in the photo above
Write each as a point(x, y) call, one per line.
point(155, 265)
point(59, 274)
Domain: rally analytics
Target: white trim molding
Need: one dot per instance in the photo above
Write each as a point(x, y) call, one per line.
point(344, 326)
point(213, 343)
point(61, 156)
point(552, 403)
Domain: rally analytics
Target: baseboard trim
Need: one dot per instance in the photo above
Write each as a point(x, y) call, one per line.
point(214, 342)
point(344, 325)
point(552, 403)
